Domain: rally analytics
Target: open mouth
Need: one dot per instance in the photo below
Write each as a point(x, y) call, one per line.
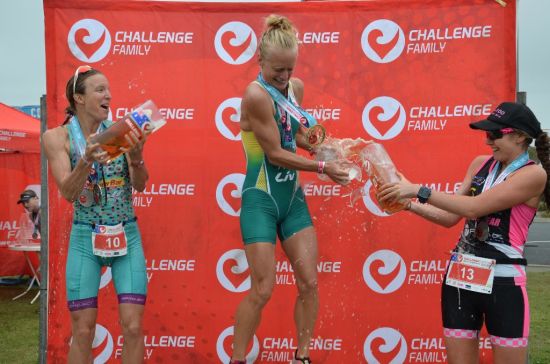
point(105, 107)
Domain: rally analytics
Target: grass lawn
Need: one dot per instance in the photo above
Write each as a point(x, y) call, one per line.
point(19, 323)
point(18, 326)
point(538, 286)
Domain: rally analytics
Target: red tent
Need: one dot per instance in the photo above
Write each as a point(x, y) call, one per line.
point(19, 132)
point(19, 170)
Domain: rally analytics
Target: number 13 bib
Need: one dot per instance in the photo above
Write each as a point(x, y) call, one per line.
point(471, 273)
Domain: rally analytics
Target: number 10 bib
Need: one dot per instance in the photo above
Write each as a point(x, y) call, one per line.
point(109, 241)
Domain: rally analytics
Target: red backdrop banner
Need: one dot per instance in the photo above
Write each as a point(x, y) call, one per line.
point(410, 75)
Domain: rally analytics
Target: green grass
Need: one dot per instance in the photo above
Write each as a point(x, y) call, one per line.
point(18, 326)
point(538, 287)
point(19, 323)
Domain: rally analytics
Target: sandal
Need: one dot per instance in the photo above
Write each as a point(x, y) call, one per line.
point(304, 360)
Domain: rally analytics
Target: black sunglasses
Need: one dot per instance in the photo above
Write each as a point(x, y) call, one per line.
point(497, 134)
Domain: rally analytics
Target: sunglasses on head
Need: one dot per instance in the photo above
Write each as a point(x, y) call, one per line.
point(497, 134)
point(79, 70)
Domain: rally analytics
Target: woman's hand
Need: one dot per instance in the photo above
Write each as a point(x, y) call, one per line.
point(94, 153)
point(135, 145)
point(338, 171)
point(397, 190)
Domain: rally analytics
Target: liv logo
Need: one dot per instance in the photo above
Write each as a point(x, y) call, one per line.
point(89, 40)
point(383, 41)
point(384, 118)
point(235, 42)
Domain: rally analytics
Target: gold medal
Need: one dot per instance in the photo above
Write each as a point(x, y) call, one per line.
point(315, 135)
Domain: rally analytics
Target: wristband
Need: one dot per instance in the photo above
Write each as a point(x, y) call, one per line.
point(321, 167)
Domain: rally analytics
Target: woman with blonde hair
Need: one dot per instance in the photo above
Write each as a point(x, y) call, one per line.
point(273, 125)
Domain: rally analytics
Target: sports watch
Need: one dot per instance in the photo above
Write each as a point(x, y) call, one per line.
point(423, 194)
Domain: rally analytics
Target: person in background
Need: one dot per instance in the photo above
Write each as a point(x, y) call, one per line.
point(485, 282)
point(29, 222)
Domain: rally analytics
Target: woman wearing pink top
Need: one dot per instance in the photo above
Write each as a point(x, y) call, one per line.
point(486, 278)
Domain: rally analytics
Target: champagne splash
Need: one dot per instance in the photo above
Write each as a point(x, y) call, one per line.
point(366, 160)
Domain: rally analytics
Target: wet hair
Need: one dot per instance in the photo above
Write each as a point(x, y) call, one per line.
point(542, 144)
point(279, 32)
point(80, 88)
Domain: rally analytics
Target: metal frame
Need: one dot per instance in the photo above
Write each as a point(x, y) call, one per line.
point(44, 234)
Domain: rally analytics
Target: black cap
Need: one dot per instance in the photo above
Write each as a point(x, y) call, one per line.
point(26, 196)
point(511, 115)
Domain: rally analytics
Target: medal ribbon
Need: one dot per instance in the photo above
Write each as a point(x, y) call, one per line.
point(512, 167)
point(79, 144)
point(492, 180)
point(292, 109)
point(481, 225)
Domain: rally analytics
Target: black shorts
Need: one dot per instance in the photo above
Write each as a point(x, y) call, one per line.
point(505, 311)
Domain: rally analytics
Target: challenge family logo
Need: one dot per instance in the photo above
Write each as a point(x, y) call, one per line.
point(103, 342)
point(235, 42)
point(228, 193)
point(106, 278)
point(385, 345)
point(89, 40)
point(369, 202)
point(232, 271)
point(383, 41)
point(384, 118)
point(223, 347)
point(228, 116)
point(384, 271)
point(102, 345)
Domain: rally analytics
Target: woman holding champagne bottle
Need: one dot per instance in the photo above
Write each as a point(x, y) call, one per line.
point(486, 278)
point(104, 229)
point(273, 204)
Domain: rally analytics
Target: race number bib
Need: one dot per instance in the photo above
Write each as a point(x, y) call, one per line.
point(471, 273)
point(109, 241)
